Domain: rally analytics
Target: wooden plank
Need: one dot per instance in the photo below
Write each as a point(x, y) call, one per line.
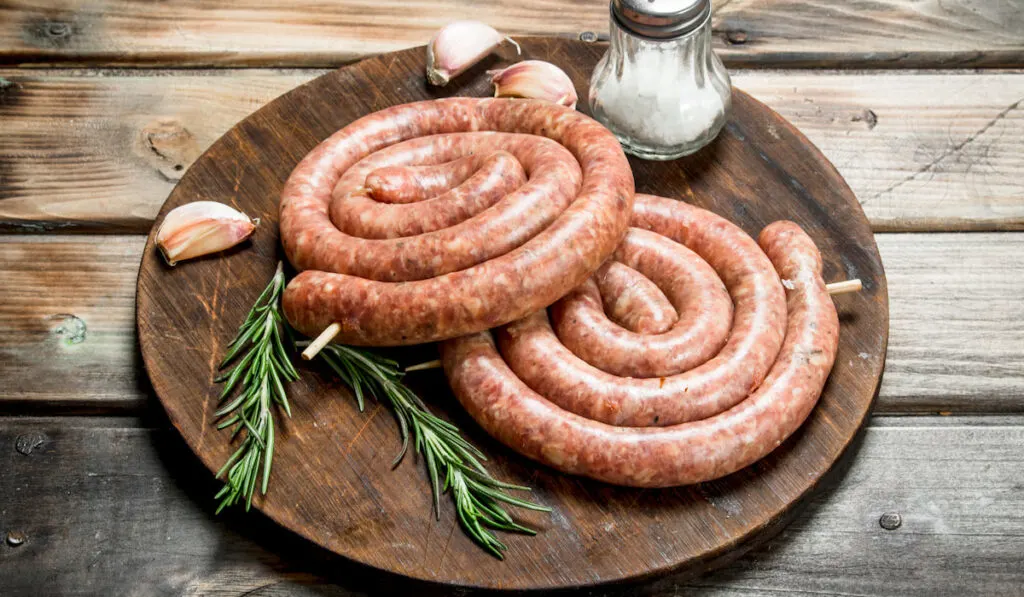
point(946, 495)
point(93, 152)
point(821, 33)
point(100, 151)
point(104, 506)
point(956, 323)
point(68, 334)
point(921, 152)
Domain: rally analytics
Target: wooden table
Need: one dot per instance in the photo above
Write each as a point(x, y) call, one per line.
point(104, 104)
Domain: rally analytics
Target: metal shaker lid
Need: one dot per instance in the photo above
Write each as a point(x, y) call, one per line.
point(660, 19)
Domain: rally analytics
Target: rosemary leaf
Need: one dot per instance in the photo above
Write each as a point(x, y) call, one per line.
point(259, 377)
point(453, 464)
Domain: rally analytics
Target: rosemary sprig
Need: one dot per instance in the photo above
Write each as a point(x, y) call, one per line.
point(452, 462)
point(260, 374)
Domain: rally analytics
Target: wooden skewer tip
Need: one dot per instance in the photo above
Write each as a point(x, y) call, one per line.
point(322, 340)
point(844, 287)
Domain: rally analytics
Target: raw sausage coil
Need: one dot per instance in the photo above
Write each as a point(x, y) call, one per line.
point(710, 436)
point(435, 219)
point(709, 360)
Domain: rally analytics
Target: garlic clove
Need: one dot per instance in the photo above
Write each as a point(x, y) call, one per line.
point(535, 79)
point(458, 46)
point(201, 228)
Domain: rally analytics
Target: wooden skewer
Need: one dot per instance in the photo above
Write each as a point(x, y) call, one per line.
point(844, 286)
point(435, 364)
point(322, 340)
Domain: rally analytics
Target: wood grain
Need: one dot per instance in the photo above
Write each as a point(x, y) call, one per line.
point(100, 151)
point(779, 33)
point(67, 337)
point(922, 152)
point(760, 169)
point(92, 152)
point(956, 331)
point(113, 506)
point(958, 327)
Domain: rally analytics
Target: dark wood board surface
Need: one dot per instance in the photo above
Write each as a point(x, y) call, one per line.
point(332, 482)
point(112, 506)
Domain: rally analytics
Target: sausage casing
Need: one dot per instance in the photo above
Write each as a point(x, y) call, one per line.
point(517, 256)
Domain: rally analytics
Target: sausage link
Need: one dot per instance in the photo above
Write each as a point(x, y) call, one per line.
point(700, 305)
point(357, 213)
point(538, 356)
point(631, 300)
point(517, 217)
point(519, 255)
point(410, 184)
point(682, 454)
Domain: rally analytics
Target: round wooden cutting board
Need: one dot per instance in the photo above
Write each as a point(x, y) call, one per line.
point(332, 481)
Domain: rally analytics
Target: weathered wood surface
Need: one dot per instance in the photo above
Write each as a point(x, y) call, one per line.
point(67, 323)
point(759, 169)
point(956, 323)
point(113, 506)
point(100, 151)
point(821, 33)
point(922, 152)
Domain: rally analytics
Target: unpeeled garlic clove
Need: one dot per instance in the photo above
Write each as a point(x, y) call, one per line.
point(201, 228)
point(458, 46)
point(535, 79)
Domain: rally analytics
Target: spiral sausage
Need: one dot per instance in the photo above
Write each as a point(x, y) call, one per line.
point(451, 261)
point(632, 300)
point(600, 380)
point(710, 443)
point(389, 206)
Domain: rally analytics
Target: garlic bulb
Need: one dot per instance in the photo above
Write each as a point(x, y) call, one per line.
point(458, 46)
point(201, 228)
point(535, 79)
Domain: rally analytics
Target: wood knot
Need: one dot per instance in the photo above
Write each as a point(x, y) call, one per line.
point(168, 147)
point(736, 38)
point(16, 538)
point(49, 32)
point(71, 328)
point(890, 521)
point(58, 29)
point(868, 117)
point(27, 442)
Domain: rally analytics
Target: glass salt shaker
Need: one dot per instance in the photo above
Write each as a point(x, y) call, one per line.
point(660, 88)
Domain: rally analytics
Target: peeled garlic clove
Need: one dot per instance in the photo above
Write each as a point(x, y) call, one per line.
point(535, 79)
point(458, 46)
point(201, 228)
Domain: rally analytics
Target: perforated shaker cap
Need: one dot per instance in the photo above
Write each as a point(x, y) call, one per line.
point(660, 19)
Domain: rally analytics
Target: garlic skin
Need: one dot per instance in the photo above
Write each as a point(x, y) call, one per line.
point(535, 79)
point(200, 228)
point(458, 46)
